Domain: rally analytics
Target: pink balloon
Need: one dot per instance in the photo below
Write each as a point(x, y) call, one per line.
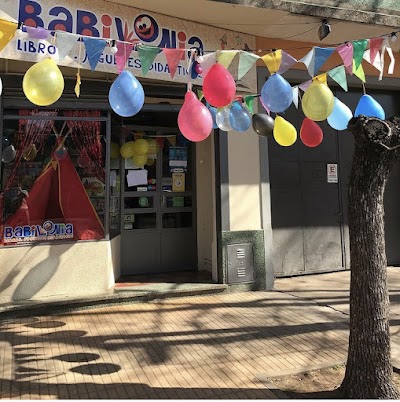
point(194, 120)
point(219, 87)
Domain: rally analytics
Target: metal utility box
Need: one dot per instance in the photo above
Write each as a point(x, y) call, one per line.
point(240, 263)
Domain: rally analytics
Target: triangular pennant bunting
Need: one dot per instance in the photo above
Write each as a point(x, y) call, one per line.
point(309, 61)
point(346, 53)
point(37, 32)
point(208, 61)
point(200, 95)
point(246, 61)
point(273, 60)
point(338, 74)
point(303, 86)
point(321, 78)
point(359, 47)
point(225, 57)
point(377, 63)
point(64, 42)
point(7, 32)
point(286, 63)
point(173, 57)
point(386, 47)
point(322, 54)
point(295, 91)
point(249, 102)
point(172, 140)
point(94, 49)
point(374, 46)
point(359, 72)
point(147, 54)
point(122, 55)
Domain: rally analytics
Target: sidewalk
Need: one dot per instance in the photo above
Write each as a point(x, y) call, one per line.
point(217, 346)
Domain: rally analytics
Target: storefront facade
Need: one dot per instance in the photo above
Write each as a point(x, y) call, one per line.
point(76, 215)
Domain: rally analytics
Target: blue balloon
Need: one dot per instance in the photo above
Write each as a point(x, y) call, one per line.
point(276, 94)
point(213, 110)
point(239, 118)
point(126, 95)
point(369, 107)
point(340, 116)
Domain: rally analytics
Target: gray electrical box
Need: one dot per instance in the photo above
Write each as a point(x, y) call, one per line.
point(240, 263)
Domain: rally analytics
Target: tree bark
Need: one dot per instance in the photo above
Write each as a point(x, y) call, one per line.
point(369, 370)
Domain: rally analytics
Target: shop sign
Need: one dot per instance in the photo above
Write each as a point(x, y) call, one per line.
point(45, 232)
point(107, 20)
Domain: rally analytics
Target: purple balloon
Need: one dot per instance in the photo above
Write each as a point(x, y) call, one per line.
point(37, 33)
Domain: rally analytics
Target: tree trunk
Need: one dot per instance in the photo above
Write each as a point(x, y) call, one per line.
point(369, 370)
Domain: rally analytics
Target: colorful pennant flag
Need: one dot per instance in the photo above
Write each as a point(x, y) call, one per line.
point(172, 140)
point(338, 74)
point(37, 32)
point(374, 46)
point(225, 57)
point(303, 86)
point(346, 53)
point(200, 95)
point(246, 61)
point(147, 54)
point(64, 42)
point(359, 72)
point(286, 63)
point(249, 102)
point(295, 91)
point(94, 49)
point(7, 32)
point(173, 57)
point(386, 48)
point(309, 61)
point(122, 55)
point(322, 54)
point(273, 60)
point(359, 47)
point(208, 61)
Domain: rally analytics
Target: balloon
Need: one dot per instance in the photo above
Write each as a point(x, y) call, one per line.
point(126, 95)
point(340, 117)
point(318, 101)
point(140, 147)
point(276, 94)
point(30, 153)
point(222, 119)
point(60, 154)
point(213, 110)
point(194, 119)
point(239, 117)
point(263, 124)
point(43, 83)
point(153, 146)
point(310, 133)
point(8, 154)
point(5, 143)
point(284, 132)
point(127, 149)
point(114, 150)
point(83, 160)
point(219, 87)
point(139, 160)
point(150, 162)
point(369, 107)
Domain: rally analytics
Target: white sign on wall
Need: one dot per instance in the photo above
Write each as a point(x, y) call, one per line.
point(107, 20)
point(332, 172)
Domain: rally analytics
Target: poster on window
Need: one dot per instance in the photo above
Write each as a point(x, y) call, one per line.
point(177, 159)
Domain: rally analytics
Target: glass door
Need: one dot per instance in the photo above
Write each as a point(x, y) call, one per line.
point(157, 216)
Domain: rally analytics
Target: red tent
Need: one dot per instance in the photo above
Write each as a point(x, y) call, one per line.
point(58, 195)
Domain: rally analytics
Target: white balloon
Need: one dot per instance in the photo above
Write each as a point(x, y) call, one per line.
point(222, 119)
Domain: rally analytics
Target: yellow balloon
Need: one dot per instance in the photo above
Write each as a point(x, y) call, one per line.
point(141, 147)
point(285, 133)
point(43, 83)
point(114, 150)
point(150, 162)
point(153, 146)
point(127, 150)
point(139, 160)
point(318, 101)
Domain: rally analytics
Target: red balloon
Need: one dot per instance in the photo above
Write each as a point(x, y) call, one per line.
point(194, 120)
point(219, 87)
point(311, 133)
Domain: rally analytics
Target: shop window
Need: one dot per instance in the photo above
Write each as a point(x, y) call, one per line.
point(52, 177)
